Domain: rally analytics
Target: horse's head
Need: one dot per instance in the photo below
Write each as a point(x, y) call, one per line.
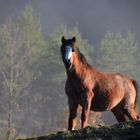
point(68, 48)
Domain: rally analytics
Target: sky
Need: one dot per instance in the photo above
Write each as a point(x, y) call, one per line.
point(92, 17)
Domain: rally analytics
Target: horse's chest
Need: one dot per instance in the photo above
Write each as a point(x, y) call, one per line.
point(74, 91)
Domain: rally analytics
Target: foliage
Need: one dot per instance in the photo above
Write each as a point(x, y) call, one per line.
point(117, 54)
point(21, 44)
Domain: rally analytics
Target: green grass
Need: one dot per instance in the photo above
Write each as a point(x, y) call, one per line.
point(122, 131)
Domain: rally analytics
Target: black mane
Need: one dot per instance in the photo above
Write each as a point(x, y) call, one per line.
point(82, 58)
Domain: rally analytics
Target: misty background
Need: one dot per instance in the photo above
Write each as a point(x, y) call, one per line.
point(93, 17)
point(41, 106)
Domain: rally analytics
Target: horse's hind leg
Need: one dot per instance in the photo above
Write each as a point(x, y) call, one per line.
point(118, 114)
point(131, 113)
point(129, 106)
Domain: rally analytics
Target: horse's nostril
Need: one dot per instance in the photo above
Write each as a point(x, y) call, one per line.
point(67, 63)
point(68, 60)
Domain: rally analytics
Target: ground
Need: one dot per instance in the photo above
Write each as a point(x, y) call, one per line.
point(121, 131)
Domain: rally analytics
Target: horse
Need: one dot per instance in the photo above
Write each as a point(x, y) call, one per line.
point(94, 90)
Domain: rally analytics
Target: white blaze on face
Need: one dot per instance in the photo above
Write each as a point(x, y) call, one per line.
point(68, 53)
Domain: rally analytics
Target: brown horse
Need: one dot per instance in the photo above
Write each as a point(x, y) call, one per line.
point(94, 90)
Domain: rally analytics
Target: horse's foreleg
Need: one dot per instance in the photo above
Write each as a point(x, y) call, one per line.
point(86, 104)
point(72, 115)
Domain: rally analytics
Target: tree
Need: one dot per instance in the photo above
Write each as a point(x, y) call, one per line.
point(21, 45)
point(117, 54)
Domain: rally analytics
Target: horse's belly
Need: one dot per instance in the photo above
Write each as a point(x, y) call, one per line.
point(98, 106)
point(102, 103)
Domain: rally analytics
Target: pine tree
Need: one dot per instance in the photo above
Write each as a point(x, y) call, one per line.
point(21, 45)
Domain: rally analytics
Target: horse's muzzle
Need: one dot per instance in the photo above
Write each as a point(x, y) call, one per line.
point(67, 64)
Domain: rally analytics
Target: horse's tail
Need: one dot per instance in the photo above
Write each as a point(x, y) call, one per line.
point(136, 88)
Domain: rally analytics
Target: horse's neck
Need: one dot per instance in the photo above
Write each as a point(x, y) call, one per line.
point(79, 68)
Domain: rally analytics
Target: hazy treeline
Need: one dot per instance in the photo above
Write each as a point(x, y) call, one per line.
point(32, 75)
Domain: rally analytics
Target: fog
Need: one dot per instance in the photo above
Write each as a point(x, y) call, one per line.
point(92, 17)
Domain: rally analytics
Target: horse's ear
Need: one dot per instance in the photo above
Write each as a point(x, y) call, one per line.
point(74, 39)
point(63, 39)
